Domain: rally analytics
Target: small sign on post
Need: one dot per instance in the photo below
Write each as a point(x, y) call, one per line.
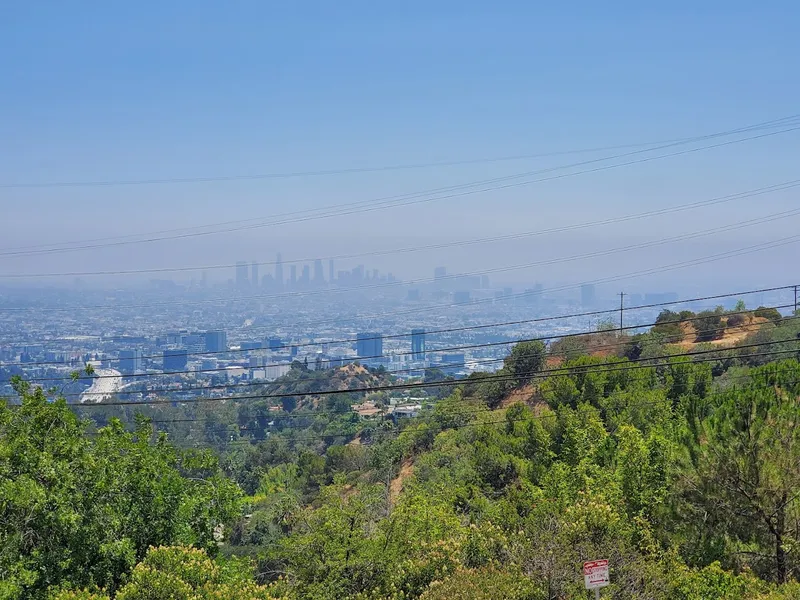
point(595, 575)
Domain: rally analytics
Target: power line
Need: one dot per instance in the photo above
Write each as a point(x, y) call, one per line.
point(459, 328)
point(396, 430)
point(668, 340)
point(675, 266)
point(773, 123)
point(683, 237)
point(326, 172)
point(656, 270)
point(718, 200)
point(433, 332)
point(533, 375)
point(408, 199)
point(575, 371)
point(445, 427)
point(476, 411)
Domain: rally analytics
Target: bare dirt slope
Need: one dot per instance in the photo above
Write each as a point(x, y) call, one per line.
point(728, 337)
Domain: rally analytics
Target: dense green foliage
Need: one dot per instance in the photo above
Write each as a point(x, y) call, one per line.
point(83, 510)
point(176, 573)
point(683, 471)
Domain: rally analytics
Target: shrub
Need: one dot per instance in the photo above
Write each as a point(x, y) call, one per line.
point(487, 583)
point(736, 320)
point(671, 331)
point(667, 316)
point(708, 325)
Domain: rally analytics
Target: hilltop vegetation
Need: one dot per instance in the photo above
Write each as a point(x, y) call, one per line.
point(683, 471)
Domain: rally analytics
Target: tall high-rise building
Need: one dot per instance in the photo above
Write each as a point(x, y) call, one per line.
point(331, 277)
point(587, 295)
point(305, 278)
point(279, 271)
point(319, 274)
point(254, 274)
point(216, 341)
point(418, 344)
point(369, 345)
point(241, 274)
point(293, 275)
point(130, 361)
point(175, 360)
point(439, 273)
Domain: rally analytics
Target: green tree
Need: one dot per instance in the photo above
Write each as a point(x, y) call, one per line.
point(81, 511)
point(744, 472)
point(526, 359)
point(483, 584)
point(708, 325)
point(179, 573)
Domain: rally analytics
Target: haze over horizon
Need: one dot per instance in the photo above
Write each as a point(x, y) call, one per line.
point(123, 94)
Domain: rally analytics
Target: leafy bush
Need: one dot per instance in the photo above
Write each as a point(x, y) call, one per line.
point(526, 359)
point(671, 331)
point(708, 325)
point(176, 573)
point(667, 316)
point(714, 583)
point(483, 584)
point(81, 511)
point(736, 320)
point(668, 325)
point(569, 348)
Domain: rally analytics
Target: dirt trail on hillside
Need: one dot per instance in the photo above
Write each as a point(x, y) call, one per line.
point(396, 486)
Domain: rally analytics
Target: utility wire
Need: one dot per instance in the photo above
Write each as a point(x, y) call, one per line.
point(473, 412)
point(529, 293)
point(669, 340)
point(408, 199)
point(450, 329)
point(344, 171)
point(530, 376)
point(774, 123)
point(440, 350)
point(628, 248)
point(621, 343)
point(238, 386)
point(513, 236)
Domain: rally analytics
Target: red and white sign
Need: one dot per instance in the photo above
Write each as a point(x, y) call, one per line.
point(595, 574)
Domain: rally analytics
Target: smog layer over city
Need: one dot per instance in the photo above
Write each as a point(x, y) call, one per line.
point(449, 300)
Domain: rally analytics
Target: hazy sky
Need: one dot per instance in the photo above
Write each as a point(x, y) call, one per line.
point(102, 91)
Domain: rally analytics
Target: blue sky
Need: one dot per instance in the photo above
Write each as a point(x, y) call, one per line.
point(106, 91)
